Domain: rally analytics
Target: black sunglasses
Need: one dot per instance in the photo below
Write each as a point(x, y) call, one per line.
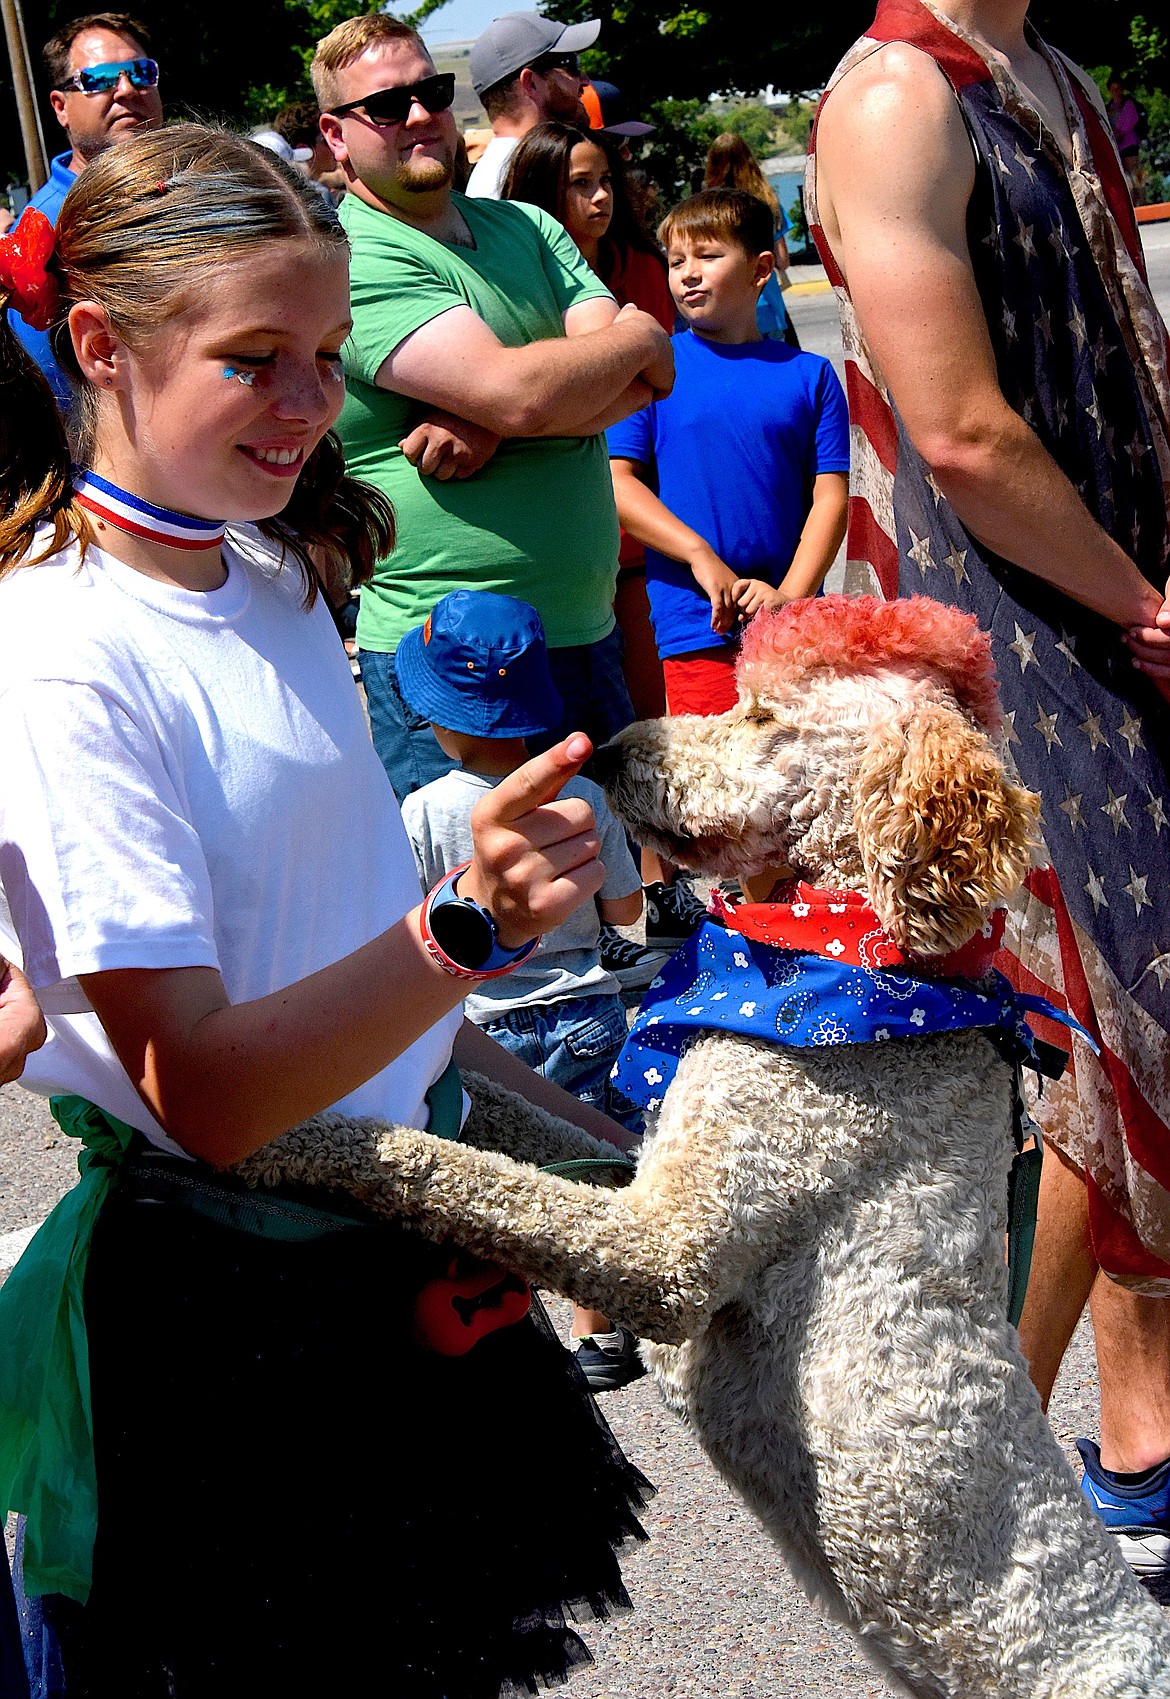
point(392, 105)
point(104, 79)
point(557, 62)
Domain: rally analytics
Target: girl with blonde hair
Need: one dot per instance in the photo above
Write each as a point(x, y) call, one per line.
point(246, 1464)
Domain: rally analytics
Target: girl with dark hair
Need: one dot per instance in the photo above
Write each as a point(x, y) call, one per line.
point(213, 894)
point(579, 176)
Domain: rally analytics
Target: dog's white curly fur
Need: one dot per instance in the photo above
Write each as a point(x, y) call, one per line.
point(814, 1238)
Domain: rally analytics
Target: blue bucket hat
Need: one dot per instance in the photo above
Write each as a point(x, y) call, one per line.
point(479, 665)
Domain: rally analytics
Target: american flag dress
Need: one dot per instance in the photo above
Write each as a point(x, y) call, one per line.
point(1082, 356)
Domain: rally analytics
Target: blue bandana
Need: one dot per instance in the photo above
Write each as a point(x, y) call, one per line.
point(721, 981)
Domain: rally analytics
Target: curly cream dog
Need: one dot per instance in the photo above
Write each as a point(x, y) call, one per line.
point(814, 1239)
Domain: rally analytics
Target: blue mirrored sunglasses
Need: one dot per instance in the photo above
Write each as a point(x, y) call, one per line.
point(104, 79)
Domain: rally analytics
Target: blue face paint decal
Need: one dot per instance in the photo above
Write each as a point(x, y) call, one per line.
point(240, 377)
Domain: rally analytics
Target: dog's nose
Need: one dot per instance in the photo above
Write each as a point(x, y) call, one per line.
point(603, 763)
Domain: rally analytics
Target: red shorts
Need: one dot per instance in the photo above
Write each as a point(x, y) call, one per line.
point(700, 684)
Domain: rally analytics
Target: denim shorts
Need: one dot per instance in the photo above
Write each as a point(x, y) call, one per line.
point(574, 1043)
point(592, 688)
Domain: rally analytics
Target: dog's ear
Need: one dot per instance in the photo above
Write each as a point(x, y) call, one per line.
point(944, 833)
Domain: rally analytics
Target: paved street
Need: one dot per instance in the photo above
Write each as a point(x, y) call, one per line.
point(717, 1615)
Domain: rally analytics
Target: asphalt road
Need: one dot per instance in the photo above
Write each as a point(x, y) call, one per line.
point(716, 1613)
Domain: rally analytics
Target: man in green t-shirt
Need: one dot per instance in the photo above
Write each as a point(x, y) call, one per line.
point(486, 360)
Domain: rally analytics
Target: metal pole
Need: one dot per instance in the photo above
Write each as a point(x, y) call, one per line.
point(26, 100)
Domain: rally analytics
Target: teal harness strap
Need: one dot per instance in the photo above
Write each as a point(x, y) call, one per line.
point(1023, 1197)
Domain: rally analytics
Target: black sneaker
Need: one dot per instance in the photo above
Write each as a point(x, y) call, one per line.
point(673, 913)
point(606, 1371)
point(631, 964)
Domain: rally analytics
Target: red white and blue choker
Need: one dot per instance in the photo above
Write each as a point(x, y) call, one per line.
point(127, 512)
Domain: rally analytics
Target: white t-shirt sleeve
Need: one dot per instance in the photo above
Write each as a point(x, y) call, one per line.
point(101, 867)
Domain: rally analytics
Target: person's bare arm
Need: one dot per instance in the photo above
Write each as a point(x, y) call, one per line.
point(476, 1049)
point(223, 1079)
point(895, 217)
point(22, 1025)
point(547, 388)
point(645, 517)
point(820, 538)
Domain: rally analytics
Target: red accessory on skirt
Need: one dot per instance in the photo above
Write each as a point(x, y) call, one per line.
point(24, 275)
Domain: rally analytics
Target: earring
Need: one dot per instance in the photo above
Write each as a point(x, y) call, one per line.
point(240, 377)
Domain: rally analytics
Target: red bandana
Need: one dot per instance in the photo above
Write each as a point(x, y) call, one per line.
point(842, 926)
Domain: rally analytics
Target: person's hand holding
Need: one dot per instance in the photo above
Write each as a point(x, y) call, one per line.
point(22, 1026)
point(752, 594)
point(444, 446)
point(717, 579)
point(658, 370)
point(1150, 647)
point(536, 852)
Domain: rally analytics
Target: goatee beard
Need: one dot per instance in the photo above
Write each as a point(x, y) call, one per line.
point(424, 175)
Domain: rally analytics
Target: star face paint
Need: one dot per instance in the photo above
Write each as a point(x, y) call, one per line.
point(239, 375)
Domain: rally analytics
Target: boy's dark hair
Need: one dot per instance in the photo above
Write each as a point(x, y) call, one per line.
point(55, 52)
point(722, 215)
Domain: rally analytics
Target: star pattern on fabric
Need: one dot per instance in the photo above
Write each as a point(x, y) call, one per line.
point(1131, 730)
point(1024, 648)
point(919, 552)
point(956, 561)
point(1096, 891)
point(1064, 647)
point(1045, 724)
point(1075, 714)
point(1115, 809)
point(1137, 890)
point(1072, 807)
point(1023, 240)
point(1091, 726)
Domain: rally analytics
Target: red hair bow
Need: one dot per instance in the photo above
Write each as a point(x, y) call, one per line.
point(24, 275)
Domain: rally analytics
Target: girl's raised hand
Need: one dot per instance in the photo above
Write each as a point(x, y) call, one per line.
point(536, 852)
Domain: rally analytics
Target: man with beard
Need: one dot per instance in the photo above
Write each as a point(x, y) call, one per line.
point(524, 69)
point(482, 344)
point(103, 87)
point(1009, 391)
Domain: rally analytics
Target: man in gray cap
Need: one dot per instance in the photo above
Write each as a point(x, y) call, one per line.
point(524, 70)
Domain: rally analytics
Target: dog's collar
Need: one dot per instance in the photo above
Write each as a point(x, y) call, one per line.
point(842, 926)
point(725, 981)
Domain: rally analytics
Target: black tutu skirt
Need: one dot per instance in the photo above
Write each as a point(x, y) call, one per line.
point(297, 1496)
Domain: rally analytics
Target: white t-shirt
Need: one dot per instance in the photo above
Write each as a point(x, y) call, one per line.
point(188, 781)
point(565, 963)
point(490, 169)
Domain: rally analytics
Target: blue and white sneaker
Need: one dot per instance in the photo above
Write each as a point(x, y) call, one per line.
point(1137, 1516)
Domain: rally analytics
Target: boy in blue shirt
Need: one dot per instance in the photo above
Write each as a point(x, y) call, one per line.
point(737, 483)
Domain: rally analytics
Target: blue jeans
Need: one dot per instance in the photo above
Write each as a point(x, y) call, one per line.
point(574, 1043)
point(592, 688)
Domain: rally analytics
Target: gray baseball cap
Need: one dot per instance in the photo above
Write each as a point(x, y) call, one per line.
point(516, 39)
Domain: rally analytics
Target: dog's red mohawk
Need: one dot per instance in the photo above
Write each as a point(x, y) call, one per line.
point(862, 634)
